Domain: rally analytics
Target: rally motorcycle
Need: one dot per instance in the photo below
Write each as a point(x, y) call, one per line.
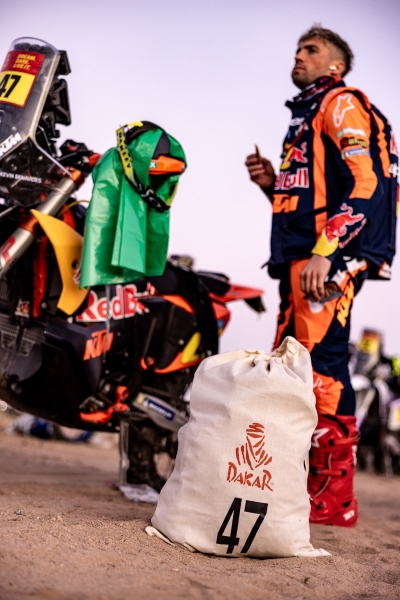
point(108, 358)
point(376, 382)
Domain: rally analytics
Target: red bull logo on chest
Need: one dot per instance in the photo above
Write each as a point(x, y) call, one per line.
point(293, 153)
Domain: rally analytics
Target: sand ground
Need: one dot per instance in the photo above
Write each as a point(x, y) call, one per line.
point(66, 535)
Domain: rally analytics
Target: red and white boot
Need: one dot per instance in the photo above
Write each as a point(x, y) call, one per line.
point(332, 466)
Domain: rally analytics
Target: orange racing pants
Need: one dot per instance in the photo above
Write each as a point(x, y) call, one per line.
point(323, 329)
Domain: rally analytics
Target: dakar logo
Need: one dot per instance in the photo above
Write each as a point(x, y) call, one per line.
point(252, 456)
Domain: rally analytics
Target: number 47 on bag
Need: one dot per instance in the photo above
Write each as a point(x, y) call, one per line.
point(258, 508)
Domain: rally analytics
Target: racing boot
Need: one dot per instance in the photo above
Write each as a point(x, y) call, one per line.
point(332, 466)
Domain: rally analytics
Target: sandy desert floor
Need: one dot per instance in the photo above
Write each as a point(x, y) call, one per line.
point(66, 535)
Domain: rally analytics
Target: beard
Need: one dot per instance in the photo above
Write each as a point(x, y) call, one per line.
point(300, 79)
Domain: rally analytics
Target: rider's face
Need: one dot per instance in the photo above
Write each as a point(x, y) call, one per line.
point(313, 59)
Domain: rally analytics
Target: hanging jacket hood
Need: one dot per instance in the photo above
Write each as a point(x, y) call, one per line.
point(127, 222)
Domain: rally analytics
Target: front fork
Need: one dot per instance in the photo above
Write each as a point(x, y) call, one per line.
point(24, 236)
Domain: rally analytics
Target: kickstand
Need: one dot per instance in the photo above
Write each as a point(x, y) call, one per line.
point(123, 451)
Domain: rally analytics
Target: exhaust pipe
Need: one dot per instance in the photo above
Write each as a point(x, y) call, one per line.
point(160, 412)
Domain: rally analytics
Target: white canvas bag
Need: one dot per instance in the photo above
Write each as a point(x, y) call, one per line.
point(239, 487)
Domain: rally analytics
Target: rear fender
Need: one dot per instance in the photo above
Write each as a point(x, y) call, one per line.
point(240, 292)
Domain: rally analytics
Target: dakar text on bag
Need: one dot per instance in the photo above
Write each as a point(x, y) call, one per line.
point(239, 487)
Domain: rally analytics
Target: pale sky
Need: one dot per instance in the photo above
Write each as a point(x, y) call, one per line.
point(215, 74)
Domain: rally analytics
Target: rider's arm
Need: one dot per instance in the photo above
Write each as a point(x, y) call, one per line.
point(262, 173)
point(347, 125)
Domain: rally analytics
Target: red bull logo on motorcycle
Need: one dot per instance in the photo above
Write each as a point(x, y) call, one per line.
point(123, 305)
point(336, 226)
point(294, 154)
point(99, 343)
point(250, 457)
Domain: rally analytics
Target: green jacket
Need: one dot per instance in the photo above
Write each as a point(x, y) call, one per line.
point(125, 238)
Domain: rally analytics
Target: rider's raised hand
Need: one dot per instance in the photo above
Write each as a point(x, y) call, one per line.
point(260, 171)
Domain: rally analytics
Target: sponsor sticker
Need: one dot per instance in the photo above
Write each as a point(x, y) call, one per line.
point(18, 177)
point(158, 408)
point(18, 75)
point(350, 131)
point(9, 143)
point(353, 141)
point(354, 152)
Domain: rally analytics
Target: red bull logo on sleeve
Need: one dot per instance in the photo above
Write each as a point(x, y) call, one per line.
point(336, 226)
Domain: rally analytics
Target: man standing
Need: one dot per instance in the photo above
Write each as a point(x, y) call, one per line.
point(333, 205)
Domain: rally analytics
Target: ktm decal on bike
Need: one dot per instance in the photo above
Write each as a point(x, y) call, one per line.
point(98, 344)
point(251, 455)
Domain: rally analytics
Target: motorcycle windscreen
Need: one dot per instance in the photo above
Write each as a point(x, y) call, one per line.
point(26, 169)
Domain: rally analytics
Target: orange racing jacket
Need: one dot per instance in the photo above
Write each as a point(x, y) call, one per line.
point(337, 186)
